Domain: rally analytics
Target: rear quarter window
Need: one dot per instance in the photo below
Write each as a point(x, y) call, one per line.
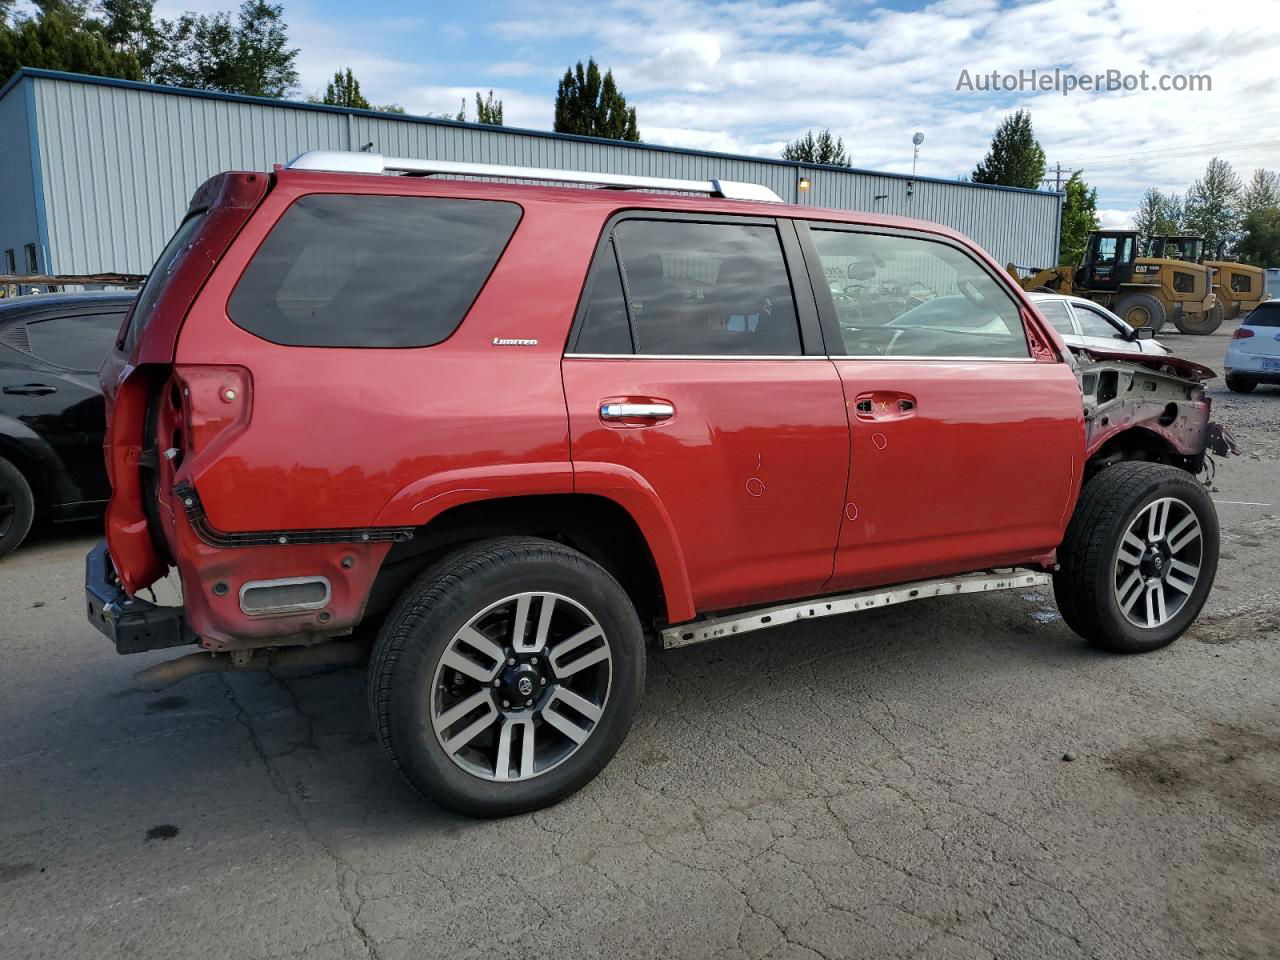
point(371, 271)
point(1265, 315)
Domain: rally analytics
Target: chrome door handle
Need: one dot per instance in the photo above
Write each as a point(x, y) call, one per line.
point(637, 411)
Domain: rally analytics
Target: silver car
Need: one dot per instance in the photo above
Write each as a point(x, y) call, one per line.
point(1086, 325)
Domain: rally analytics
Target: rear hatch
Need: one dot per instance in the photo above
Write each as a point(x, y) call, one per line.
point(140, 367)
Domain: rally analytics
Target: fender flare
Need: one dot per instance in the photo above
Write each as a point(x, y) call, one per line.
point(418, 503)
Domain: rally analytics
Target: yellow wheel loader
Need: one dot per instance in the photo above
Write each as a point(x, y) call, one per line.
point(1238, 287)
point(1144, 291)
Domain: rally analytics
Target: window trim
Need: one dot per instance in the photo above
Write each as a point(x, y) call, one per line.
point(808, 324)
point(827, 303)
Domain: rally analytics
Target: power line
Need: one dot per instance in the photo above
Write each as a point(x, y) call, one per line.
point(1164, 153)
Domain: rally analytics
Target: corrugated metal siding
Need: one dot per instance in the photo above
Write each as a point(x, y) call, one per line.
point(120, 163)
point(18, 223)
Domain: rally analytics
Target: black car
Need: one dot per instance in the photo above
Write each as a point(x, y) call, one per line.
point(51, 409)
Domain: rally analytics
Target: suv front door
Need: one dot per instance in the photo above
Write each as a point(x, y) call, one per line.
point(964, 450)
point(695, 372)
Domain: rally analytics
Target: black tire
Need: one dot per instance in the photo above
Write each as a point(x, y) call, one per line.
point(419, 631)
point(1201, 324)
point(1142, 307)
point(1085, 585)
point(17, 507)
point(1239, 384)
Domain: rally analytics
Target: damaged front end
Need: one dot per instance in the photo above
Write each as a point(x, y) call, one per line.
point(1148, 408)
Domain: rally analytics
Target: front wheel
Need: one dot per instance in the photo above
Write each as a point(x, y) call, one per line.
point(17, 507)
point(507, 677)
point(1139, 557)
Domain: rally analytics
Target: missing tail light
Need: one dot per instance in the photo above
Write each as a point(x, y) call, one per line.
point(210, 405)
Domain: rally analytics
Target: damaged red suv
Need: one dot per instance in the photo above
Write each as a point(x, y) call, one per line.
point(519, 429)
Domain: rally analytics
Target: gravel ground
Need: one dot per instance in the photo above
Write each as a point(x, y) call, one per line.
point(895, 784)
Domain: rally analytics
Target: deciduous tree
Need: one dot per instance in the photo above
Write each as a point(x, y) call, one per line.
point(1079, 216)
point(1213, 206)
point(824, 148)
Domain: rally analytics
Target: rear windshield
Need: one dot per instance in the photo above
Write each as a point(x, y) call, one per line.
point(168, 259)
point(1264, 315)
point(369, 271)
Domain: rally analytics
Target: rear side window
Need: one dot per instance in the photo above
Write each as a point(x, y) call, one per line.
point(605, 328)
point(705, 289)
point(1264, 315)
point(366, 271)
point(78, 342)
point(1055, 311)
point(169, 256)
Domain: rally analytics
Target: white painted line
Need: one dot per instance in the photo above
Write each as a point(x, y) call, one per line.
point(1243, 503)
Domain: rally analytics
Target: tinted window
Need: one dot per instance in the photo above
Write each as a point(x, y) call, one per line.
point(80, 342)
point(903, 296)
point(362, 271)
point(1093, 323)
point(1265, 315)
point(1055, 311)
point(164, 265)
point(604, 313)
point(717, 289)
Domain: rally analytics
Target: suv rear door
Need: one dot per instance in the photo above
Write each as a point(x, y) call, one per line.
point(695, 370)
point(964, 449)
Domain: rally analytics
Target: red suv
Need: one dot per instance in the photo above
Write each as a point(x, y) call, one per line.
point(518, 428)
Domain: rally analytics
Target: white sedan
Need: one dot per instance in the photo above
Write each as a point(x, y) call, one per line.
point(1253, 355)
point(1085, 324)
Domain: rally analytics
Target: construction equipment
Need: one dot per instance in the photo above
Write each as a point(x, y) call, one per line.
point(1144, 291)
point(1237, 286)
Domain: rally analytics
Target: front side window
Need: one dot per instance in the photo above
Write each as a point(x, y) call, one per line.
point(371, 271)
point(1093, 323)
point(1055, 311)
point(1241, 282)
point(707, 289)
point(78, 342)
point(908, 297)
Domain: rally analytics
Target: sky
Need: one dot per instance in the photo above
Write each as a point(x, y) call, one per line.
point(746, 76)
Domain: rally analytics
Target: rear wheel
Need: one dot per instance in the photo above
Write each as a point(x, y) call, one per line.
point(1141, 310)
point(507, 677)
point(17, 507)
point(1201, 324)
point(1239, 384)
point(1139, 557)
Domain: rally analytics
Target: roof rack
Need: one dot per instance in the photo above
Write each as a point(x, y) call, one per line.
point(340, 161)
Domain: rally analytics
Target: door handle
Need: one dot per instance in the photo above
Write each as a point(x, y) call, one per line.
point(31, 390)
point(884, 405)
point(636, 411)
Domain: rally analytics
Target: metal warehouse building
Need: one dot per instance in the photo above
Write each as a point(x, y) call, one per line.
point(95, 173)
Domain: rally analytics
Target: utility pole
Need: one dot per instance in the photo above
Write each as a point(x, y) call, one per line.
point(1057, 180)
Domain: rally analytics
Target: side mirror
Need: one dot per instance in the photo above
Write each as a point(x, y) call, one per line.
point(1143, 333)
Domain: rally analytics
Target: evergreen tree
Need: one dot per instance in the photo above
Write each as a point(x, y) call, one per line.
point(1015, 159)
point(590, 105)
point(488, 110)
point(129, 26)
point(344, 91)
point(1079, 216)
point(1213, 206)
point(824, 148)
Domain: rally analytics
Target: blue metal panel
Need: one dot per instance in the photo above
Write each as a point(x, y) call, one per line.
point(19, 210)
point(120, 159)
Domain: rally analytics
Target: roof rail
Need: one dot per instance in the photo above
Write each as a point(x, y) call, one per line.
point(340, 161)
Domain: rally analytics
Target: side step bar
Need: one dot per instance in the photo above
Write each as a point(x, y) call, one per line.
point(698, 631)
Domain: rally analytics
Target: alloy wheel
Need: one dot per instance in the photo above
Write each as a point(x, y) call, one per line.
point(521, 687)
point(1158, 563)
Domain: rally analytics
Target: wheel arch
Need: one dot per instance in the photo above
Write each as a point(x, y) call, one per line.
point(630, 548)
point(1138, 443)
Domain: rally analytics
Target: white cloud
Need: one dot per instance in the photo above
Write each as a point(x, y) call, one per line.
point(1116, 219)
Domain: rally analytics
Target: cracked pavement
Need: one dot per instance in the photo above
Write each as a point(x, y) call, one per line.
point(891, 784)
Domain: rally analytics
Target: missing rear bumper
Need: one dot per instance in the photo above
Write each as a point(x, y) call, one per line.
point(131, 623)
